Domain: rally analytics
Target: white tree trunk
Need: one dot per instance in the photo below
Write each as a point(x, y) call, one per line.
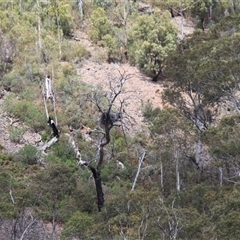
point(39, 28)
point(49, 88)
point(177, 170)
point(220, 177)
point(28, 226)
point(80, 7)
point(140, 161)
point(161, 177)
point(48, 144)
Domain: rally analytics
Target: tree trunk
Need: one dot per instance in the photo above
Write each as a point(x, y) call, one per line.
point(98, 184)
point(177, 170)
point(161, 176)
point(199, 149)
point(221, 176)
point(140, 161)
point(80, 7)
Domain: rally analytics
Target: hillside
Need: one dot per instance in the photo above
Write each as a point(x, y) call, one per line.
point(119, 120)
point(138, 91)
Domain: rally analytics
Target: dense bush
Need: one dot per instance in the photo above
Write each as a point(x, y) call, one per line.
point(28, 155)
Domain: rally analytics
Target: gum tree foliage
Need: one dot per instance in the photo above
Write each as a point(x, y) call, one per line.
point(59, 11)
point(51, 187)
point(104, 3)
point(203, 72)
point(203, 10)
point(223, 142)
point(172, 144)
point(210, 12)
point(151, 39)
point(15, 197)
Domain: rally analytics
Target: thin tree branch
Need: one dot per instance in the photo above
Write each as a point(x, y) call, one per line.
point(140, 161)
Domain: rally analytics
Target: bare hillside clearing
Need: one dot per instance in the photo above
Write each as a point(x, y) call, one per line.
point(138, 90)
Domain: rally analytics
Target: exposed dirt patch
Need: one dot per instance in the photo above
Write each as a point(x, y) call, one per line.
point(138, 90)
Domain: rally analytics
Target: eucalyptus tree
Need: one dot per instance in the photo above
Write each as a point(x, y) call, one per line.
point(172, 137)
point(223, 143)
point(203, 72)
point(188, 93)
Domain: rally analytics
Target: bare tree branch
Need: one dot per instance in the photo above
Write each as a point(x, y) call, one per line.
point(140, 161)
point(33, 220)
point(111, 115)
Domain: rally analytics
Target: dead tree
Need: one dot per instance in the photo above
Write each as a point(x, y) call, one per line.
point(48, 93)
point(111, 115)
point(171, 224)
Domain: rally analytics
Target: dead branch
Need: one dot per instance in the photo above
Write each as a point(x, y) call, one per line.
point(173, 227)
point(109, 118)
point(12, 198)
point(48, 144)
point(140, 161)
point(33, 220)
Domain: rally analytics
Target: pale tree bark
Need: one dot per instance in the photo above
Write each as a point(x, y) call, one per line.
point(33, 220)
point(199, 123)
point(221, 176)
point(199, 153)
point(48, 144)
point(54, 223)
point(11, 195)
point(140, 161)
point(174, 225)
point(80, 8)
point(23, 222)
point(49, 88)
point(142, 230)
point(161, 176)
point(20, 5)
point(182, 17)
point(39, 27)
point(176, 156)
point(59, 33)
point(47, 93)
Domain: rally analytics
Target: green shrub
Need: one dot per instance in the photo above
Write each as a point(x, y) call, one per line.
point(101, 25)
point(16, 134)
point(14, 81)
point(79, 225)
point(74, 52)
point(26, 111)
point(28, 155)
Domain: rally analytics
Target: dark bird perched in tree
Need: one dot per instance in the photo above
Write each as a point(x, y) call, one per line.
point(108, 119)
point(52, 124)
